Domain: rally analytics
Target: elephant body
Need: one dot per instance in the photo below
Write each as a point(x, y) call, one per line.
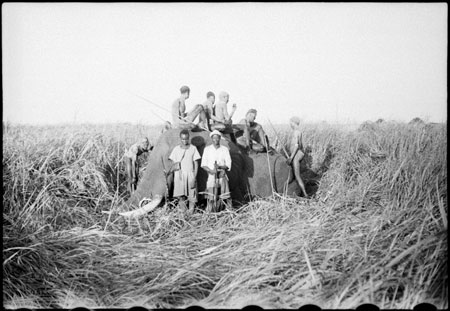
point(249, 175)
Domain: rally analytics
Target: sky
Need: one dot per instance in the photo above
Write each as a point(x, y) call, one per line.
point(334, 62)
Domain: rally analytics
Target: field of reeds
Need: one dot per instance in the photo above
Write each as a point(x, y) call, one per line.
point(374, 232)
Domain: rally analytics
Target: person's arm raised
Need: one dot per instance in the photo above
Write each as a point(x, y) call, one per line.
point(233, 110)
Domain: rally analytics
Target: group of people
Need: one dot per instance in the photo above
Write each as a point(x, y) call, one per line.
point(216, 160)
point(215, 116)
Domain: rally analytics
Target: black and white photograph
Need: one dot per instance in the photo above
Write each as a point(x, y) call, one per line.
point(225, 155)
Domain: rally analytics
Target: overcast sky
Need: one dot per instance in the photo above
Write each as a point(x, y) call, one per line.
point(345, 62)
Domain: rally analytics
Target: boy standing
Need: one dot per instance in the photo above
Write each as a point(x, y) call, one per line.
point(185, 166)
point(297, 154)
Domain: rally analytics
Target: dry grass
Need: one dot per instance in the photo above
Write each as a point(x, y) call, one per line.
point(376, 231)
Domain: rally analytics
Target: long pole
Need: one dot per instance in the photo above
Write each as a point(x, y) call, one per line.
point(286, 154)
point(160, 107)
point(268, 164)
point(276, 134)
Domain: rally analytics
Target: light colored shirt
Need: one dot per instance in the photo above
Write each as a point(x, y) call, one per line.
point(185, 177)
point(220, 155)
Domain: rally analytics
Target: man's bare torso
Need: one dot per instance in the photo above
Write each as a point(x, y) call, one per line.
point(221, 111)
point(178, 110)
point(296, 139)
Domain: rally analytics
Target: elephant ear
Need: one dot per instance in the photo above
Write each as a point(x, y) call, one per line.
point(147, 208)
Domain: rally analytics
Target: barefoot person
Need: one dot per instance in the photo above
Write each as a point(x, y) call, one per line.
point(215, 161)
point(297, 154)
point(186, 120)
point(185, 166)
point(131, 165)
point(251, 134)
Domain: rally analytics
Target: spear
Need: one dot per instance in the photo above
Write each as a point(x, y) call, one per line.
point(276, 134)
point(160, 107)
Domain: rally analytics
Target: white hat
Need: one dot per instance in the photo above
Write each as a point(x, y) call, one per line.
point(215, 132)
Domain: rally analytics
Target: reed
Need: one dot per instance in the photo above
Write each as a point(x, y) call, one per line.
point(375, 231)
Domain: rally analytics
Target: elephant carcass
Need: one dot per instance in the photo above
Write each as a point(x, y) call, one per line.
point(249, 175)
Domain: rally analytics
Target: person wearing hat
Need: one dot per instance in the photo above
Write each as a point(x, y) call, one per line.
point(186, 120)
point(184, 157)
point(296, 149)
point(221, 110)
point(251, 134)
point(216, 160)
point(131, 164)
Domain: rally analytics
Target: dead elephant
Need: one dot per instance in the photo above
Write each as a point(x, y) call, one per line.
point(249, 176)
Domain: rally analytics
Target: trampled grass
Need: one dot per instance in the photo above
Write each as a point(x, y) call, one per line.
point(374, 232)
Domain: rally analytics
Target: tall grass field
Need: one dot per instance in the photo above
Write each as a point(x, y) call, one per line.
point(374, 231)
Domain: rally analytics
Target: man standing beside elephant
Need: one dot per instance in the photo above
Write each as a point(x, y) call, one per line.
point(185, 166)
point(215, 161)
point(297, 154)
point(186, 120)
point(130, 158)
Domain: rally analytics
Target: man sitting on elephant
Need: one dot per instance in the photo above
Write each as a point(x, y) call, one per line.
point(209, 107)
point(250, 134)
point(221, 110)
point(185, 166)
point(215, 161)
point(186, 120)
point(131, 165)
point(297, 154)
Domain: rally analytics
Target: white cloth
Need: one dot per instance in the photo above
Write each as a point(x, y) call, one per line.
point(185, 177)
point(220, 155)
